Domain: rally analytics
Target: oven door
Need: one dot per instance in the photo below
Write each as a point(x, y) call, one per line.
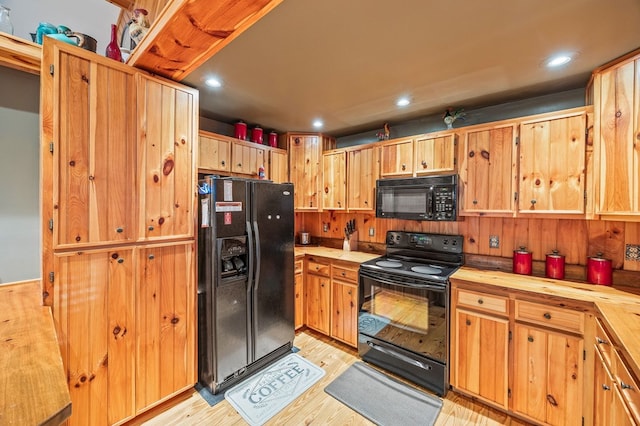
point(403, 327)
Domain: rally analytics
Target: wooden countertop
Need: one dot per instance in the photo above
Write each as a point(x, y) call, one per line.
point(619, 309)
point(33, 385)
point(336, 254)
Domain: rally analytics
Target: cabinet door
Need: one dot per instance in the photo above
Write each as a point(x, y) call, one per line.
point(166, 311)
point(396, 158)
point(616, 124)
point(344, 312)
point(334, 185)
point(246, 159)
point(94, 302)
point(278, 166)
point(603, 392)
point(548, 375)
point(487, 171)
point(481, 355)
point(552, 165)
point(299, 295)
point(215, 153)
point(435, 154)
point(168, 135)
point(316, 299)
point(304, 170)
point(363, 169)
point(94, 152)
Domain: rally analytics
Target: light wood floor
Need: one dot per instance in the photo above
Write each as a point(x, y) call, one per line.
point(315, 406)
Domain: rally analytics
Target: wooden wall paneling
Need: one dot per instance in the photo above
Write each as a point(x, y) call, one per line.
point(471, 243)
point(614, 243)
point(573, 240)
point(488, 227)
point(632, 236)
point(507, 237)
point(597, 235)
point(521, 234)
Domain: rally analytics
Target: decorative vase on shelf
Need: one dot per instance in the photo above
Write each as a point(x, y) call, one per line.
point(113, 50)
point(5, 20)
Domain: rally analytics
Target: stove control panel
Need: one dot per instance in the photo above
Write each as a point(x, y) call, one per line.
point(428, 242)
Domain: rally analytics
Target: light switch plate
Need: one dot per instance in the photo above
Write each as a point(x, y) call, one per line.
point(372, 231)
point(494, 241)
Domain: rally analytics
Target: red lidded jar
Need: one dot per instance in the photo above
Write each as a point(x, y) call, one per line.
point(273, 139)
point(599, 270)
point(240, 130)
point(256, 135)
point(522, 261)
point(554, 265)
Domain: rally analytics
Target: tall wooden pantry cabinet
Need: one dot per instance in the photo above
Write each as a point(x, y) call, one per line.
point(118, 176)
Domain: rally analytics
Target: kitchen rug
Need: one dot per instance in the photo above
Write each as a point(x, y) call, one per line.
point(383, 399)
point(268, 391)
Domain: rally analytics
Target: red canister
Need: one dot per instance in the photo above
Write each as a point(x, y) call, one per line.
point(240, 130)
point(554, 265)
point(522, 261)
point(273, 139)
point(599, 270)
point(256, 135)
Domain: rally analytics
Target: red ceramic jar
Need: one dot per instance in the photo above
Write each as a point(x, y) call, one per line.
point(240, 130)
point(599, 270)
point(554, 265)
point(522, 262)
point(273, 139)
point(256, 135)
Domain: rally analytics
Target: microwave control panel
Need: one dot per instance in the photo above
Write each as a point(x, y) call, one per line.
point(444, 203)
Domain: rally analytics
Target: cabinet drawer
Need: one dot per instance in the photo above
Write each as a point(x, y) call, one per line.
point(484, 302)
point(297, 267)
point(627, 385)
point(345, 274)
point(603, 344)
point(318, 267)
point(564, 319)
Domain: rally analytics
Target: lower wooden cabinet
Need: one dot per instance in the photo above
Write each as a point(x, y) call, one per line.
point(298, 292)
point(317, 295)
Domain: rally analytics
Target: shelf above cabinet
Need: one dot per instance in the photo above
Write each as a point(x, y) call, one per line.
point(20, 54)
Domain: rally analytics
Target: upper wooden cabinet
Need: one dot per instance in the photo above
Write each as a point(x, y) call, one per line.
point(396, 158)
point(278, 170)
point(215, 153)
point(168, 142)
point(616, 136)
point(334, 177)
point(247, 158)
point(363, 169)
point(552, 163)
point(435, 153)
point(487, 169)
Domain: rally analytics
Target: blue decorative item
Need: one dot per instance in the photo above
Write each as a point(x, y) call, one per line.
point(45, 28)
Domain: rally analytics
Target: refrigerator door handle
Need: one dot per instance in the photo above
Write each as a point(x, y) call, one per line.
point(257, 258)
point(250, 284)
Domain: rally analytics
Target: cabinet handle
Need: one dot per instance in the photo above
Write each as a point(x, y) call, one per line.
point(552, 400)
point(239, 164)
point(424, 164)
point(151, 256)
point(344, 274)
point(605, 387)
point(480, 301)
point(119, 230)
point(404, 167)
point(150, 228)
point(623, 385)
point(475, 201)
point(533, 201)
point(601, 342)
point(547, 315)
point(349, 292)
point(530, 338)
point(120, 260)
point(222, 162)
point(322, 285)
point(468, 322)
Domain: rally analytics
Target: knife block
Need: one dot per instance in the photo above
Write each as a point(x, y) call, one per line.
point(351, 243)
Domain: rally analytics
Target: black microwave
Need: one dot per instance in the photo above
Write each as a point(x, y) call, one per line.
point(421, 198)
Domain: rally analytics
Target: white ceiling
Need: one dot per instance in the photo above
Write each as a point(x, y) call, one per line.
point(347, 61)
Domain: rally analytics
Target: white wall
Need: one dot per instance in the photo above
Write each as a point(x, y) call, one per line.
point(91, 17)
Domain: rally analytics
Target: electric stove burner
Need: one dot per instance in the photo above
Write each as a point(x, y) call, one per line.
point(389, 264)
point(426, 270)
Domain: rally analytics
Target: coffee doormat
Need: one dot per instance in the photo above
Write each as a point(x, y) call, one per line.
point(268, 391)
point(383, 399)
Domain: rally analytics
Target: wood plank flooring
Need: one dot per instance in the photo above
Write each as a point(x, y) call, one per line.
point(315, 406)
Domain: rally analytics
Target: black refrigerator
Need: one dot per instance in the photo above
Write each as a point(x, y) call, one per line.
point(246, 277)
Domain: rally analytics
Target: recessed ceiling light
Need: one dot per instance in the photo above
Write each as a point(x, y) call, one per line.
point(317, 123)
point(403, 102)
point(213, 82)
point(558, 60)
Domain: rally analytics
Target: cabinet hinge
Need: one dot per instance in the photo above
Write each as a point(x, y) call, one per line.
point(585, 195)
point(508, 393)
point(51, 147)
point(50, 224)
point(583, 421)
point(51, 276)
point(515, 196)
point(455, 161)
point(584, 355)
point(517, 140)
point(51, 68)
point(509, 335)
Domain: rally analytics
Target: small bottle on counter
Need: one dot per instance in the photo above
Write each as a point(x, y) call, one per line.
point(261, 174)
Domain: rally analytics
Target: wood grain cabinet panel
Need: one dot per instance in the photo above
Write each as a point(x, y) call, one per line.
point(396, 158)
point(215, 153)
point(435, 153)
point(246, 158)
point(344, 312)
point(616, 147)
point(96, 327)
point(167, 140)
point(317, 299)
point(298, 294)
point(487, 170)
point(305, 156)
point(363, 169)
point(552, 164)
point(334, 180)
point(278, 170)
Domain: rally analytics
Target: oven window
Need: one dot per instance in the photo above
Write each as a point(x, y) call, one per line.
point(414, 319)
point(404, 200)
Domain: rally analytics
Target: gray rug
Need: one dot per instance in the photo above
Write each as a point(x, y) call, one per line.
point(383, 399)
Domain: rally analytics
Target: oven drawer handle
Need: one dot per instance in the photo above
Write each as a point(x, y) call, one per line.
point(396, 283)
point(399, 356)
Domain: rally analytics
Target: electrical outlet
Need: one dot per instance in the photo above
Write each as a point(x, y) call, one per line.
point(494, 241)
point(325, 227)
point(372, 231)
point(632, 252)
